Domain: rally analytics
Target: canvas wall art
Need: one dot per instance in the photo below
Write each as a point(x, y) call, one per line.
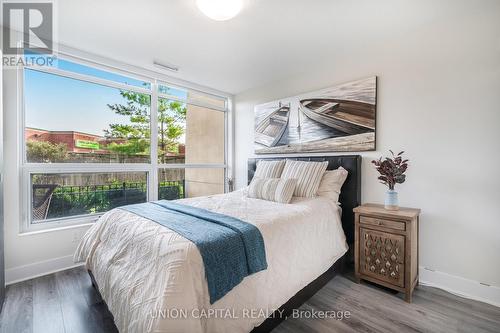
point(336, 119)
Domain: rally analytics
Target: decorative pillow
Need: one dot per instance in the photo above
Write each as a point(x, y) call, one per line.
point(331, 183)
point(269, 169)
point(272, 189)
point(308, 175)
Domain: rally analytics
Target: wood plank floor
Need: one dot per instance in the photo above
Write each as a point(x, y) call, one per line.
point(66, 302)
point(60, 302)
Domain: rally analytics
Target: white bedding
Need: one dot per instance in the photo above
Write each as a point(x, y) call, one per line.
point(152, 279)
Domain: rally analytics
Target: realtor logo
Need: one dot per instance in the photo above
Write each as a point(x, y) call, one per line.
point(28, 32)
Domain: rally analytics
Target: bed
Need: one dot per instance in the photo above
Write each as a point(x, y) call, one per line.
point(152, 279)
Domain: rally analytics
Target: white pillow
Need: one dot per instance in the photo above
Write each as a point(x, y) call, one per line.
point(308, 175)
point(272, 189)
point(269, 169)
point(331, 183)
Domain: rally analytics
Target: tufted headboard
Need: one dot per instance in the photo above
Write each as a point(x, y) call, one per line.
point(350, 196)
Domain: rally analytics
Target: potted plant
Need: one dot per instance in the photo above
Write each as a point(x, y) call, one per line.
point(391, 171)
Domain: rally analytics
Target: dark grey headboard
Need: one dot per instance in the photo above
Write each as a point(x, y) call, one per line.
point(350, 196)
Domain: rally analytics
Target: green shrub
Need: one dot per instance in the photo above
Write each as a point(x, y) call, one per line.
point(45, 152)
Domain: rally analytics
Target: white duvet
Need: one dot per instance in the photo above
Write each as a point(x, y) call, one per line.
point(152, 279)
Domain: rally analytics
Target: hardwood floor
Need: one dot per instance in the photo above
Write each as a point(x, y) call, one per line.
point(376, 309)
point(60, 302)
point(67, 302)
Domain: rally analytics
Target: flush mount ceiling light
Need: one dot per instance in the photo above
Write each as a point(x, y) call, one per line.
point(220, 10)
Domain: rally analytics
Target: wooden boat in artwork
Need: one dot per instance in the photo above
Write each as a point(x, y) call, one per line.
point(351, 117)
point(270, 130)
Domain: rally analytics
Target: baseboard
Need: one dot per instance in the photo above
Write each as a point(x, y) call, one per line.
point(26, 272)
point(451, 283)
point(460, 286)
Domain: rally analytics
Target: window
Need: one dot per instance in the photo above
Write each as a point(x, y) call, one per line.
point(193, 97)
point(74, 121)
point(98, 73)
point(190, 182)
point(75, 68)
point(63, 195)
point(91, 142)
point(190, 134)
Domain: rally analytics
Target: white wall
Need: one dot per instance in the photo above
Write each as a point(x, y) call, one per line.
point(439, 100)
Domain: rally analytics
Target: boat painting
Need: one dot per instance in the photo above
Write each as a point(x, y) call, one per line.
point(352, 117)
point(269, 130)
point(335, 119)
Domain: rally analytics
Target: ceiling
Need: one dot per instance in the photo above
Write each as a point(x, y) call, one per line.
point(268, 41)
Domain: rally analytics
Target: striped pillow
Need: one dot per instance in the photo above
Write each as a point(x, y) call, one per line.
point(269, 169)
point(331, 183)
point(308, 175)
point(272, 189)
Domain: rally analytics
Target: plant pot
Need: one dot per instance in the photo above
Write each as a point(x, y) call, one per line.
point(391, 200)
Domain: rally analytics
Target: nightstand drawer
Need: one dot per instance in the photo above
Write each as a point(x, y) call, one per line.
point(382, 222)
point(382, 256)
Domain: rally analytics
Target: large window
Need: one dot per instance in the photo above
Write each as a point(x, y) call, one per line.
point(63, 195)
point(75, 121)
point(92, 142)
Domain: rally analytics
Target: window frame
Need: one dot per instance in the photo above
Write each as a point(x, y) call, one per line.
point(151, 169)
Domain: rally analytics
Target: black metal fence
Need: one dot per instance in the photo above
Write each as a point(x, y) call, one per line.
point(80, 200)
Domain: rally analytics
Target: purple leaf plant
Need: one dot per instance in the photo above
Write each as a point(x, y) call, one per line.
point(391, 169)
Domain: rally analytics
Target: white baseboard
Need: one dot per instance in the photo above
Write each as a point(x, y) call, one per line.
point(460, 286)
point(26, 272)
point(451, 283)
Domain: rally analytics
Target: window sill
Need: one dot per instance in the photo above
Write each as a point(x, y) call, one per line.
point(47, 229)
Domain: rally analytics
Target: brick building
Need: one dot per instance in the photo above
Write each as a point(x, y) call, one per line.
point(76, 142)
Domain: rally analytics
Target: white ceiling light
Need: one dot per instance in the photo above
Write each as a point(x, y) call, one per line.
point(220, 10)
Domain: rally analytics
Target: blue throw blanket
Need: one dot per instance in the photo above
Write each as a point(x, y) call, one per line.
point(231, 249)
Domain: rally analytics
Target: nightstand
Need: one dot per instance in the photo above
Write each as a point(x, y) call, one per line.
point(386, 247)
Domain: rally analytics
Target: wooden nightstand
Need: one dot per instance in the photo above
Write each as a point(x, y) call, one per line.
point(386, 247)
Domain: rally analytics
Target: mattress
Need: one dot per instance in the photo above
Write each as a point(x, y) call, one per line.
point(152, 279)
